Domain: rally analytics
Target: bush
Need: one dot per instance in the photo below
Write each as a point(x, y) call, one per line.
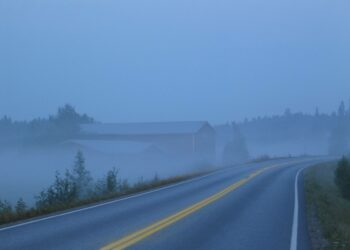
point(124, 186)
point(6, 212)
point(81, 177)
point(73, 187)
point(342, 177)
point(262, 158)
point(77, 188)
point(62, 192)
point(21, 207)
point(111, 181)
point(235, 151)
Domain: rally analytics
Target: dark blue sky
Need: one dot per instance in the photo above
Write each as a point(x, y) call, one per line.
point(156, 60)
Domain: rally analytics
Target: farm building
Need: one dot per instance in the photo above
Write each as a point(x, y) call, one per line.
point(192, 140)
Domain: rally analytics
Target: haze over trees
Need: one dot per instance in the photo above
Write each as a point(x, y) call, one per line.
point(317, 133)
point(339, 143)
point(42, 131)
point(237, 141)
point(235, 150)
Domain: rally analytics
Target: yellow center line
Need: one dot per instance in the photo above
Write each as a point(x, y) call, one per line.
point(153, 228)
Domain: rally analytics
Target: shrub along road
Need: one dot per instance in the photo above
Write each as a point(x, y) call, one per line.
point(248, 207)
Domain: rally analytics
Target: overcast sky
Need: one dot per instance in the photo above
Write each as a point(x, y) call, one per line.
point(156, 60)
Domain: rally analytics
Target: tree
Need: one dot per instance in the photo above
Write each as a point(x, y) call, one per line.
point(72, 187)
point(68, 189)
point(342, 177)
point(339, 143)
point(235, 150)
point(124, 187)
point(341, 109)
point(67, 121)
point(67, 114)
point(317, 112)
point(21, 207)
point(6, 211)
point(287, 112)
point(61, 193)
point(64, 188)
point(348, 111)
point(63, 125)
point(111, 181)
point(155, 178)
point(81, 177)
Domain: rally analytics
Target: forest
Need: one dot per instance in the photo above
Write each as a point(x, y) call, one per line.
point(41, 131)
point(304, 131)
point(292, 133)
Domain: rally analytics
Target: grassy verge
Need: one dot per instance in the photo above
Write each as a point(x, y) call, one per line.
point(12, 215)
point(328, 212)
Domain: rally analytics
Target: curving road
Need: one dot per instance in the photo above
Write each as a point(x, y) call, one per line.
point(256, 206)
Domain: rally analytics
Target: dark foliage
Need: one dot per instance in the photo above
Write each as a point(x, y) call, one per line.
point(342, 177)
point(21, 207)
point(63, 194)
point(52, 130)
point(112, 184)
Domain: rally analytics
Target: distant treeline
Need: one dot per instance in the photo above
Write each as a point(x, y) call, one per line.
point(290, 127)
point(300, 127)
point(54, 129)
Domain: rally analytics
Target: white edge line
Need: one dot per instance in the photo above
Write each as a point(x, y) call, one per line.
point(294, 236)
point(111, 202)
point(49, 217)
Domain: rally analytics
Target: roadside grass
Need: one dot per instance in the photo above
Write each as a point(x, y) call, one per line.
point(328, 212)
point(12, 215)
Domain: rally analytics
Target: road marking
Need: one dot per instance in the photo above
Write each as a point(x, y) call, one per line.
point(153, 228)
point(294, 236)
point(49, 217)
point(111, 202)
point(117, 200)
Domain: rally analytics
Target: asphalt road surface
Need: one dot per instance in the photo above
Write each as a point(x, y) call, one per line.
point(255, 206)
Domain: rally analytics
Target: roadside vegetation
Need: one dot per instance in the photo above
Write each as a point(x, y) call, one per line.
point(327, 188)
point(76, 187)
point(235, 150)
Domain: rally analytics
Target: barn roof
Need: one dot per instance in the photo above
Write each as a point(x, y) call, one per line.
point(112, 147)
point(145, 128)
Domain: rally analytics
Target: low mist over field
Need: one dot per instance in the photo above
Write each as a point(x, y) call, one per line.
point(32, 151)
point(136, 124)
point(167, 87)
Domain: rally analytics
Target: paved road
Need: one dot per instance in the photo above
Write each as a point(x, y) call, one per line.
point(248, 207)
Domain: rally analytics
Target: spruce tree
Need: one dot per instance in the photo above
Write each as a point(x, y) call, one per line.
point(81, 176)
point(21, 207)
point(111, 181)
